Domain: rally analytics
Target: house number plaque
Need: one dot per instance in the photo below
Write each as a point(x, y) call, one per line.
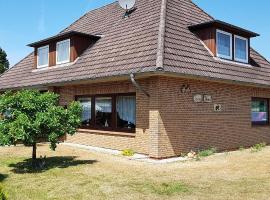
point(198, 98)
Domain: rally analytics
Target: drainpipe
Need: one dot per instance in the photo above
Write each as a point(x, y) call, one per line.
point(161, 37)
point(133, 81)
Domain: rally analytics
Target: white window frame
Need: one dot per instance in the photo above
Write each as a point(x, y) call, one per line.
point(65, 61)
point(238, 59)
point(220, 55)
point(38, 49)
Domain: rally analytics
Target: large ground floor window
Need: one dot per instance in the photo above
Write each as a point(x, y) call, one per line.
point(260, 111)
point(115, 112)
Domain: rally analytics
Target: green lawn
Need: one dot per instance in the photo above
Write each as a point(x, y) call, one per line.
point(78, 174)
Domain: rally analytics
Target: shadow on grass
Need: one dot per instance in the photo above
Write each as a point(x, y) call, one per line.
point(43, 165)
point(3, 177)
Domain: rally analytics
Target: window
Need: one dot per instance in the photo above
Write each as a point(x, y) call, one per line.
point(241, 49)
point(224, 45)
point(43, 57)
point(260, 111)
point(63, 52)
point(103, 113)
point(86, 111)
point(109, 112)
point(126, 111)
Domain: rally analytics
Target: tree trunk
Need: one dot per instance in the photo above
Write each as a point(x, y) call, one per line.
point(34, 153)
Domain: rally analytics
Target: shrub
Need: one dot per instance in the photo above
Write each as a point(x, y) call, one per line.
point(207, 152)
point(258, 147)
point(3, 195)
point(128, 152)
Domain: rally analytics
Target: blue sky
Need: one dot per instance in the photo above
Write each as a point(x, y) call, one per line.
point(26, 21)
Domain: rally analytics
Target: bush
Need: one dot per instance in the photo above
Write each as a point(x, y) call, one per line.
point(128, 152)
point(3, 195)
point(207, 152)
point(258, 147)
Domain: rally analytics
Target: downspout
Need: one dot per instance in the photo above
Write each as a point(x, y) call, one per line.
point(133, 81)
point(161, 37)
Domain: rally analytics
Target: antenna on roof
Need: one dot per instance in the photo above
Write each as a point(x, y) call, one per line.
point(128, 5)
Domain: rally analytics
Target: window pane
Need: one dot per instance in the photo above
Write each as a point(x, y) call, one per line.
point(224, 45)
point(126, 112)
point(259, 111)
point(86, 113)
point(104, 112)
point(63, 51)
point(43, 56)
point(240, 49)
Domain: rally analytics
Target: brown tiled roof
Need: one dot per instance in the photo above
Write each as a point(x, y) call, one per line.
point(138, 45)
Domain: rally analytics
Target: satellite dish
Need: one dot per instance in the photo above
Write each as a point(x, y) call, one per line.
point(127, 4)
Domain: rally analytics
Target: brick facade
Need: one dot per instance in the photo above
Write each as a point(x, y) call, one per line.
point(169, 122)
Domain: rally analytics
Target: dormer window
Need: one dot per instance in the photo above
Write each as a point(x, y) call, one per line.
point(63, 52)
point(225, 41)
point(43, 57)
point(64, 48)
point(240, 49)
point(224, 45)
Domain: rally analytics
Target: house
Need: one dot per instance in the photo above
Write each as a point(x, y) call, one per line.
point(166, 79)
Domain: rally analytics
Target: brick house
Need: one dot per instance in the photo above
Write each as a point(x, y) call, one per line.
point(166, 79)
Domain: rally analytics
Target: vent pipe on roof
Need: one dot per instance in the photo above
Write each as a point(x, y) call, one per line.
point(161, 37)
point(133, 81)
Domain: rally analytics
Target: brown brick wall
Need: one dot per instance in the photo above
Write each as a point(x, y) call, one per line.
point(169, 122)
point(186, 125)
point(140, 141)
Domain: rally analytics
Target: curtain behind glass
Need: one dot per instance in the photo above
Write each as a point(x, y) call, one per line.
point(86, 110)
point(224, 44)
point(43, 56)
point(240, 49)
point(63, 51)
point(126, 108)
point(104, 112)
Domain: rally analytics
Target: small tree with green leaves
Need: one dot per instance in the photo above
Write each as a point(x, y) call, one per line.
point(4, 64)
point(31, 117)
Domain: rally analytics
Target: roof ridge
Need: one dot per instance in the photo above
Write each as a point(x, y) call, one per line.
point(201, 9)
point(161, 37)
point(85, 15)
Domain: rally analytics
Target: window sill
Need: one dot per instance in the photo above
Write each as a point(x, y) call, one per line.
point(259, 125)
point(112, 133)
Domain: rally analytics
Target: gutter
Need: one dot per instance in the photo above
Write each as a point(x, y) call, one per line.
point(161, 37)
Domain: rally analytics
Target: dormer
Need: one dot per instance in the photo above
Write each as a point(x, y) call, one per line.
point(225, 41)
point(61, 49)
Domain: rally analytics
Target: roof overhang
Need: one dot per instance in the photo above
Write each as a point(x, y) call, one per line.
point(221, 24)
point(62, 36)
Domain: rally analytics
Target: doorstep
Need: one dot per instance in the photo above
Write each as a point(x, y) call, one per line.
point(136, 157)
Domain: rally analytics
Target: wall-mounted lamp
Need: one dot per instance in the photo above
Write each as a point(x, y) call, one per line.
point(185, 89)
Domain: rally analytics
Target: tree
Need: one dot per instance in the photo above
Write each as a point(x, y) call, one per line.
point(30, 117)
point(4, 64)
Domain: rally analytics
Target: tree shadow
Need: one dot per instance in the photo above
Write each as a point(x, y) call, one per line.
point(42, 165)
point(3, 177)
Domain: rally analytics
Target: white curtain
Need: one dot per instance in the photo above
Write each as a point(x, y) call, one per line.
point(126, 108)
point(43, 54)
point(224, 44)
point(86, 109)
point(104, 104)
point(241, 49)
point(63, 51)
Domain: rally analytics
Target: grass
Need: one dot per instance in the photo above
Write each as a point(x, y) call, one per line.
point(207, 152)
point(78, 174)
point(2, 194)
point(258, 147)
